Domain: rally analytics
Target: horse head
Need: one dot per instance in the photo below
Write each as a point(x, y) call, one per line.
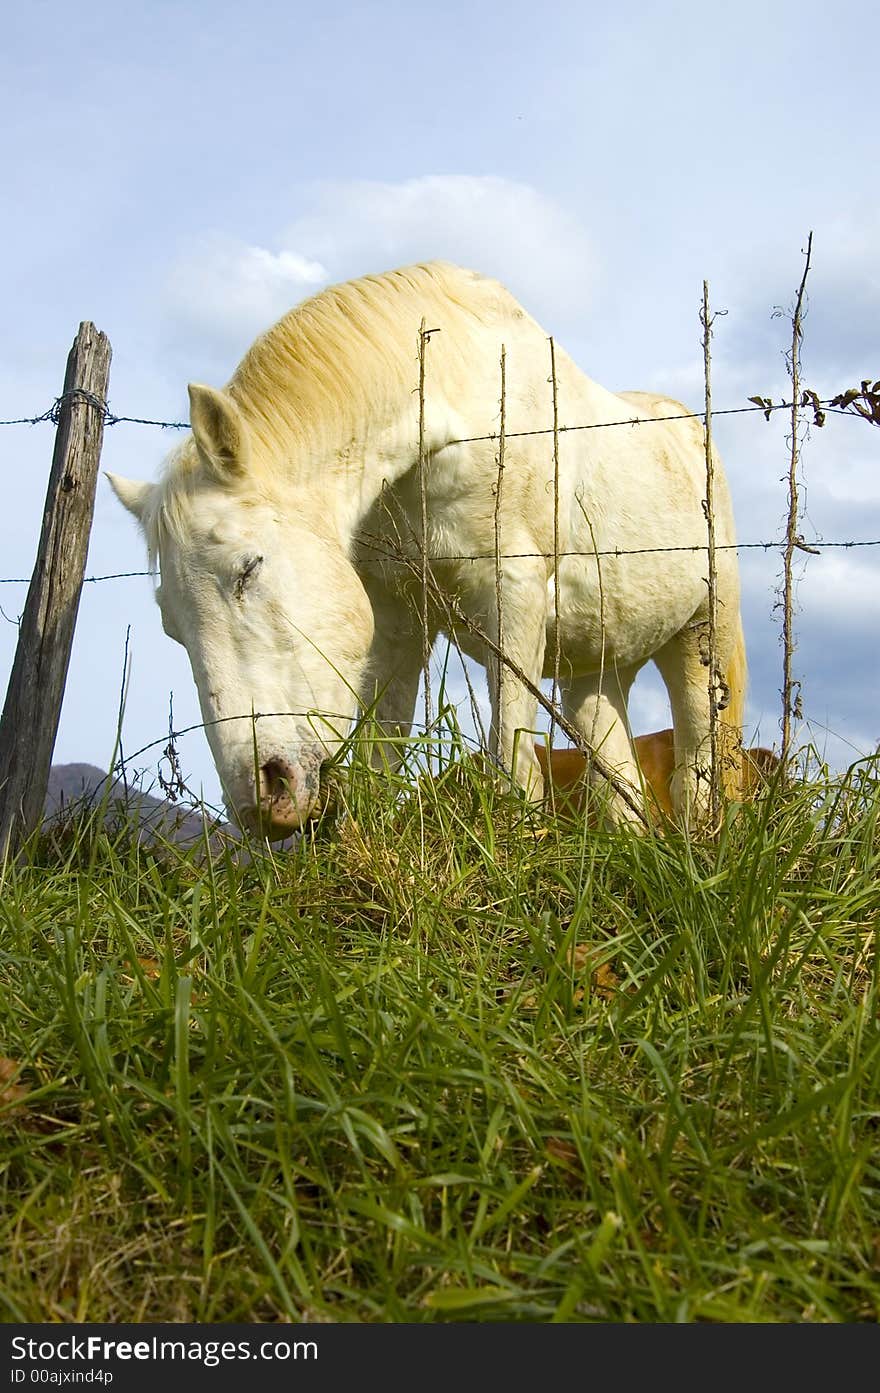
point(256, 585)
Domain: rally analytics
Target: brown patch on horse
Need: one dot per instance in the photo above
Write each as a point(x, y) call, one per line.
point(656, 756)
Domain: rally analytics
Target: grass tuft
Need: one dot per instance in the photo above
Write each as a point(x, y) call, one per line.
point(450, 1058)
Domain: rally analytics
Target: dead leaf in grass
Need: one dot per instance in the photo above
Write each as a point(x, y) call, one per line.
point(12, 1093)
point(564, 1153)
point(606, 983)
point(151, 968)
point(581, 956)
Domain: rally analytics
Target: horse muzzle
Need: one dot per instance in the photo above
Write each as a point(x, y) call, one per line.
point(290, 795)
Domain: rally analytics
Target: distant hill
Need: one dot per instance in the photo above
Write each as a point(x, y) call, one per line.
point(85, 785)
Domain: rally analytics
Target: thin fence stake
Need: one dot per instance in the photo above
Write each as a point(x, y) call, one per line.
point(712, 578)
point(499, 585)
point(556, 550)
point(424, 338)
point(791, 688)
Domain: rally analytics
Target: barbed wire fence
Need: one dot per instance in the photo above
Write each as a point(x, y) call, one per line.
point(862, 401)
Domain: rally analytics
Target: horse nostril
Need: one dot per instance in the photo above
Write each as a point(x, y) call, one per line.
point(277, 777)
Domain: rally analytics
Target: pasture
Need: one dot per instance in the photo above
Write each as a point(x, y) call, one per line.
point(451, 1058)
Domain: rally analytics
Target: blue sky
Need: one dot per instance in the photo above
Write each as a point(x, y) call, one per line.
point(183, 173)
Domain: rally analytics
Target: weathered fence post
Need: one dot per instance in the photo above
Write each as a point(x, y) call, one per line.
point(36, 686)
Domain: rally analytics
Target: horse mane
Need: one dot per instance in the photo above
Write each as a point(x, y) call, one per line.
point(327, 369)
point(342, 358)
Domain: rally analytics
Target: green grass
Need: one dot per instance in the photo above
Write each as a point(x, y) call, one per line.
point(449, 1059)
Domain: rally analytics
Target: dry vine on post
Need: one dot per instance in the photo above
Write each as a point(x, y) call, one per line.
point(556, 644)
point(499, 585)
point(791, 688)
point(711, 652)
point(424, 339)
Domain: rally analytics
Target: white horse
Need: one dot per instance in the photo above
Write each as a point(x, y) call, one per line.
point(287, 529)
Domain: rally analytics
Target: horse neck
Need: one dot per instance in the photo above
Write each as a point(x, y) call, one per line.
point(345, 477)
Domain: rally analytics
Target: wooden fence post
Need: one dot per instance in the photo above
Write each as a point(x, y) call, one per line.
point(36, 686)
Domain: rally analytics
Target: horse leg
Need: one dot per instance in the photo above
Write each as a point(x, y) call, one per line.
point(598, 710)
point(391, 688)
point(682, 667)
point(512, 736)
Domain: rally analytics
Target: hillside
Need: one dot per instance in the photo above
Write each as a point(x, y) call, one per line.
point(86, 785)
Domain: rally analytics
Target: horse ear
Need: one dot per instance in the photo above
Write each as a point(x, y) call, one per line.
point(218, 430)
point(132, 494)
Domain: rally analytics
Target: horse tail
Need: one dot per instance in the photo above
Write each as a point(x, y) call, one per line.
point(733, 716)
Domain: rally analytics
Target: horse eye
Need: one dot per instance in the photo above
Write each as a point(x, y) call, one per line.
point(250, 568)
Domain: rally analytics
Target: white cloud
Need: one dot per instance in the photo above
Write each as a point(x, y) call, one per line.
point(842, 302)
point(221, 293)
point(840, 590)
point(501, 227)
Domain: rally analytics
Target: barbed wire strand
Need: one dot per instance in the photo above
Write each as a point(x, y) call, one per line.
point(111, 419)
point(386, 556)
point(99, 404)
